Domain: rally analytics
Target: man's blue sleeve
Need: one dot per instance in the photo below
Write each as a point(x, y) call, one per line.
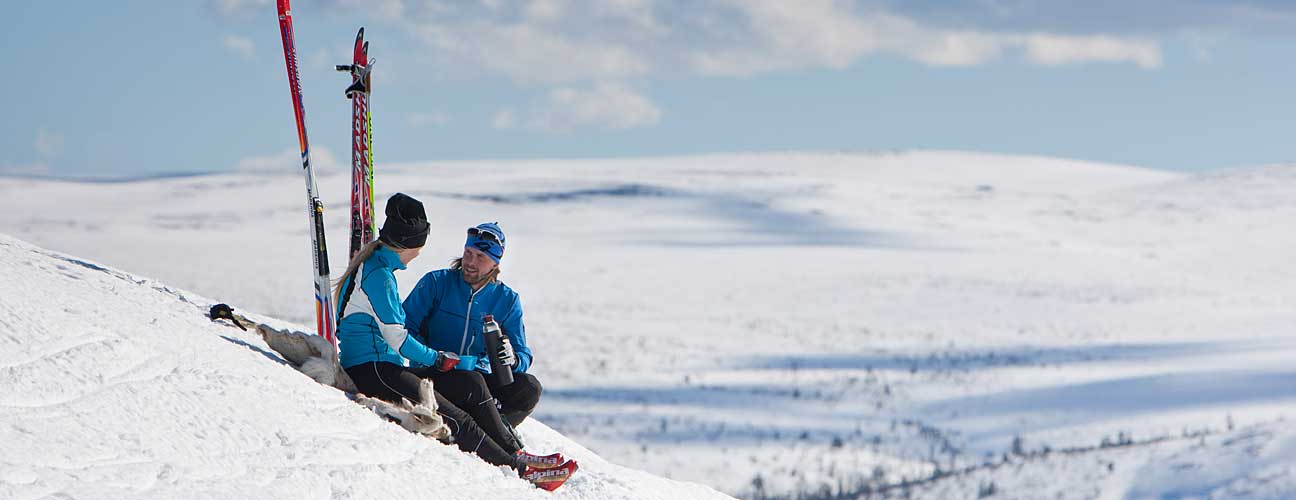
point(419, 303)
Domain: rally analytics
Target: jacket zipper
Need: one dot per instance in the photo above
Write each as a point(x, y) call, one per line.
point(463, 344)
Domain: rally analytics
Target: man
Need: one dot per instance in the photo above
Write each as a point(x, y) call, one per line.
point(445, 312)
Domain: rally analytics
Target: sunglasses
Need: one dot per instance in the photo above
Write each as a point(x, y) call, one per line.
point(485, 235)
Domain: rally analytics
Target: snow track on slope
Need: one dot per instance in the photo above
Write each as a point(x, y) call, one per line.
point(119, 387)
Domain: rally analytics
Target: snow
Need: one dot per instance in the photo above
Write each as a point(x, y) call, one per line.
point(117, 386)
point(767, 324)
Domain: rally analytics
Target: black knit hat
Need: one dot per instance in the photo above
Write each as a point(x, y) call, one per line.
point(406, 225)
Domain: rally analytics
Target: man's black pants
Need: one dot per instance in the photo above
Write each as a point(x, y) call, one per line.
point(477, 393)
point(391, 382)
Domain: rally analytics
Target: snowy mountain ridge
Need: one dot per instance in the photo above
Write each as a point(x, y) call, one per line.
point(118, 386)
point(811, 325)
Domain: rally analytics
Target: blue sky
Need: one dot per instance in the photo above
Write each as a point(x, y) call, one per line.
point(137, 88)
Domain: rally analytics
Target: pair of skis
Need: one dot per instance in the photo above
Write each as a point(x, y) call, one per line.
point(362, 217)
point(362, 223)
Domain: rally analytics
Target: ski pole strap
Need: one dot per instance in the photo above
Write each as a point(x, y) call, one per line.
point(346, 295)
point(224, 311)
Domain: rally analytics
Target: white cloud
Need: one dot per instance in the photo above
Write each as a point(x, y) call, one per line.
point(545, 10)
point(1203, 45)
point(321, 58)
point(1054, 50)
point(390, 9)
point(571, 41)
point(25, 169)
point(235, 8)
point(638, 14)
point(606, 105)
point(831, 34)
point(239, 45)
point(503, 120)
point(288, 162)
point(532, 53)
point(962, 48)
point(434, 119)
point(819, 32)
point(48, 144)
point(574, 41)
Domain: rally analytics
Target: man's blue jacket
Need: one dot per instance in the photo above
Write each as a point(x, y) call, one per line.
point(445, 314)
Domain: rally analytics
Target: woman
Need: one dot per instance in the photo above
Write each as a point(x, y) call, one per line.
point(374, 345)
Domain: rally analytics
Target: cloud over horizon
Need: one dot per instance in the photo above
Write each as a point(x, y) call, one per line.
point(25, 169)
point(288, 162)
point(567, 41)
point(239, 45)
point(561, 45)
point(541, 77)
point(48, 143)
point(557, 42)
point(605, 105)
point(1142, 18)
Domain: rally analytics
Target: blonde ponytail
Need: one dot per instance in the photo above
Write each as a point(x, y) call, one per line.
point(353, 266)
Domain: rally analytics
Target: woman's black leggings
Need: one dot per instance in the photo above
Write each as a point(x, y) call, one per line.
point(390, 382)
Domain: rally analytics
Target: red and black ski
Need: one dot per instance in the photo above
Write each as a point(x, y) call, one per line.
point(315, 210)
point(362, 214)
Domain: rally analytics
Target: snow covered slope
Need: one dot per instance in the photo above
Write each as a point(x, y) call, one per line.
point(806, 323)
point(116, 386)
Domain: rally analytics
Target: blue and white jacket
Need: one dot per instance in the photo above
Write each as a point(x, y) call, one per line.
point(372, 327)
point(446, 314)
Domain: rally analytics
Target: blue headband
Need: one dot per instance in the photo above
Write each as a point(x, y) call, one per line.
point(490, 248)
point(493, 249)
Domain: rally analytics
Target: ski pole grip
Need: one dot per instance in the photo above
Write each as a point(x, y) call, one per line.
point(343, 67)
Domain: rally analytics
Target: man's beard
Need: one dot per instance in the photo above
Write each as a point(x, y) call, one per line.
point(474, 278)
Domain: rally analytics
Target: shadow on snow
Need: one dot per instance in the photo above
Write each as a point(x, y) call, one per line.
point(752, 222)
point(979, 359)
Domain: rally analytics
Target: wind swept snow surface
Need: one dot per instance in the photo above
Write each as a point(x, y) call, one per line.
point(801, 324)
point(116, 386)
